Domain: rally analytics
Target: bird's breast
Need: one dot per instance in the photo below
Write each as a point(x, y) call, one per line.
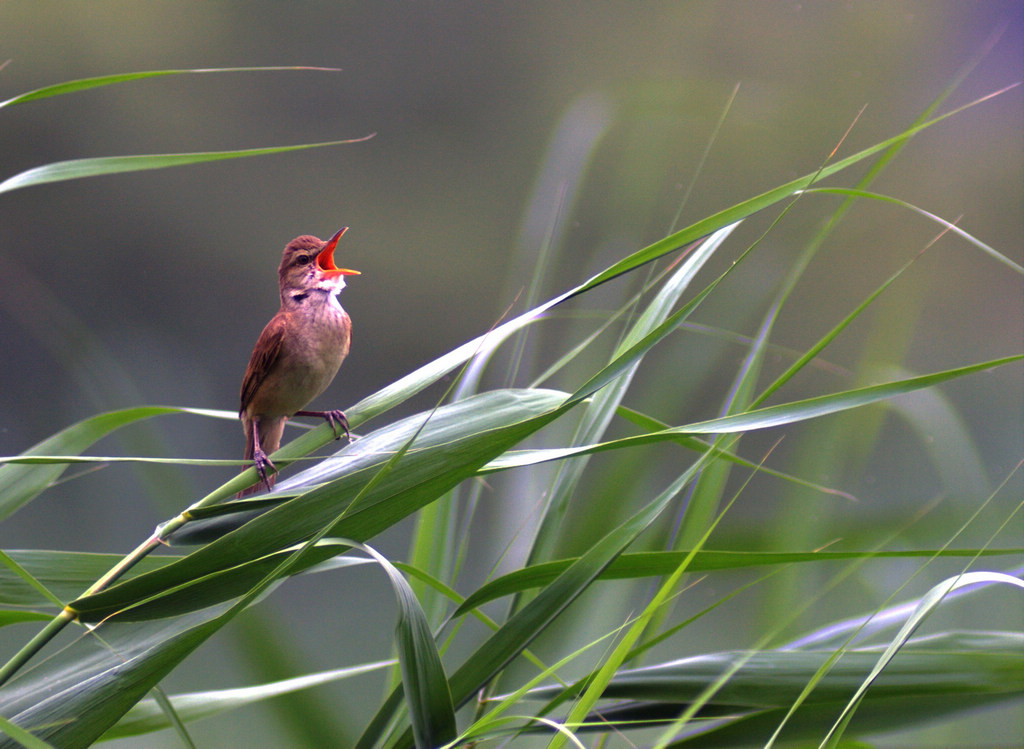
point(312, 350)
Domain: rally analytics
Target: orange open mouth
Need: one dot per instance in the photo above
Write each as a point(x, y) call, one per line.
point(326, 258)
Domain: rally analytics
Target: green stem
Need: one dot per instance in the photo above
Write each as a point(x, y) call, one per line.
point(34, 645)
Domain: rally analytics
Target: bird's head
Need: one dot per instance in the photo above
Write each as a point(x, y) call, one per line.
point(308, 264)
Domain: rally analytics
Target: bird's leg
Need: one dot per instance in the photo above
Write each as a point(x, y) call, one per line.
point(260, 458)
point(335, 418)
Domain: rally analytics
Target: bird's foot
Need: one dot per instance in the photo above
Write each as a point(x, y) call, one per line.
point(335, 418)
point(263, 462)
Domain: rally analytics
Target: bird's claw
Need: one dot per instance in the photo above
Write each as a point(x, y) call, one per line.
point(337, 418)
point(263, 462)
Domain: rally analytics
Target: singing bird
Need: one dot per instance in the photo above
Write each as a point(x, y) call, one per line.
point(298, 353)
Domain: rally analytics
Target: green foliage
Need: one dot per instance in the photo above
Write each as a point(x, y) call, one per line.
point(148, 612)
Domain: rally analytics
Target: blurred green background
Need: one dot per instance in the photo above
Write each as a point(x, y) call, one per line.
point(151, 288)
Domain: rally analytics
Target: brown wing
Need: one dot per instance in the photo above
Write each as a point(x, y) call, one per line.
point(264, 355)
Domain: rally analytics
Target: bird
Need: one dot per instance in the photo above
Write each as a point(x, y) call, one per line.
point(298, 353)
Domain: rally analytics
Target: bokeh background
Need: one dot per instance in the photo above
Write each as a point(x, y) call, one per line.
point(150, 288)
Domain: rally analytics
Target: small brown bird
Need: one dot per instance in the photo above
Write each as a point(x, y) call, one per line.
point(298, 353)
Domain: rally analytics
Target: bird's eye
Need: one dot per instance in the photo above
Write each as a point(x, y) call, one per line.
point(303, 259)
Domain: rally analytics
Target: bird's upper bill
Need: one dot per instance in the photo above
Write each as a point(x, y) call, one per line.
point(325, 258)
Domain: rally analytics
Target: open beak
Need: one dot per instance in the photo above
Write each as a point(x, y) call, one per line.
point(326, 258)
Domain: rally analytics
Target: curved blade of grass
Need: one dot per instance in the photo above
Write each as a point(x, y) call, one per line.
point(84, 84)
point(928, 604)
point(423, 678)
point(651, 424)
point(656, 563)
point(147, 717)
point(823, 405)
point(987, 249)
point(741, 729)
point(774, 678)
point(763, 418)
point(940, 675)
point(22, 483)
point(727, 725)
point(60, 171)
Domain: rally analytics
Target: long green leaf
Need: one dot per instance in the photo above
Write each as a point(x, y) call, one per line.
point(656, 563)
point(147, 717)
point(64, 573)
point(103, 165)
point(933, 678)
point(948, 225)
point(22, 483)
point(423, 678)
point(683, 680)
point(763, 418)
point(84, 84)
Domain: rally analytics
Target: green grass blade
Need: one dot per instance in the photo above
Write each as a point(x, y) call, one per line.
point(932, 677)
point(656, 563)
point(84, 84)
point(824, 405)
point(948, 225)
point(424, 682)
point(62, 574)
point(928, 604)
point(22, 483)
point(147, 717)
point(73, 697)
point(763, 418)
point(929, 665)
point(103, 165)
